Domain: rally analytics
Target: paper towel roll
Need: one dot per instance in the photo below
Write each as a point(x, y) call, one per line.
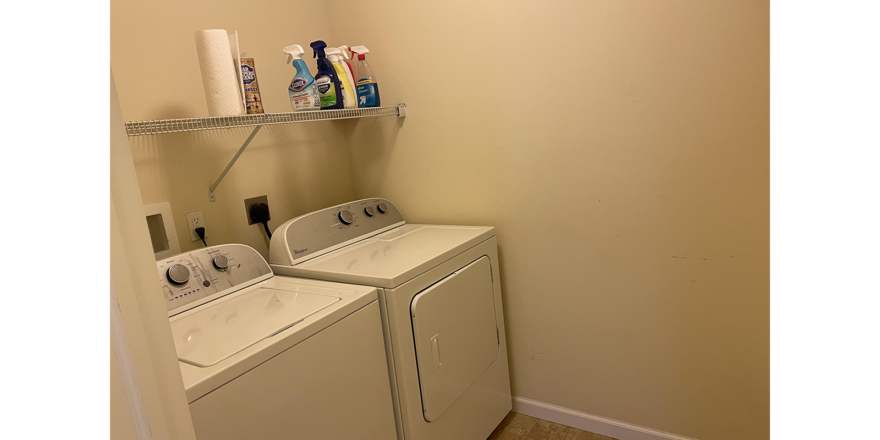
point(219, 73)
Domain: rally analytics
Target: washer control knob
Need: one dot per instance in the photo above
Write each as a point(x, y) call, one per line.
point(220, 262)
point(177, 274)
point(345, 217)
point(369, 211)
point(383, 208)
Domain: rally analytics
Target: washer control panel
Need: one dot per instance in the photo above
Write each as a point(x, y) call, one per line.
point(194, 278)
point(310, 235)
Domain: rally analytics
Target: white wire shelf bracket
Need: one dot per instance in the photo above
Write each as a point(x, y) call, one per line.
point(143, 128)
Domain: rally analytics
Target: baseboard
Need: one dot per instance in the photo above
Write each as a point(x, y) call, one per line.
point(589, 422)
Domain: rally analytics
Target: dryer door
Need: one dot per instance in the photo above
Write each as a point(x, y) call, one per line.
point(455, 333)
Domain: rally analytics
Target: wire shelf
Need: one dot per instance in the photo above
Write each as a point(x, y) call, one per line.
point(142, 128)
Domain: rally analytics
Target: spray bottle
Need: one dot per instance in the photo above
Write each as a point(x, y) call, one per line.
point(326, 80)
point(348, 97)
point(367, 87)
point(303, 91)
point(349, 71)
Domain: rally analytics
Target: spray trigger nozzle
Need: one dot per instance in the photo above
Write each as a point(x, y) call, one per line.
point(344, 51)
point(294, 52)
point(318, 46)
point(360, 50)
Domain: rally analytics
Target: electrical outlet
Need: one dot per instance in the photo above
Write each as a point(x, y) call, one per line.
point(248, 203)
point(194, 220)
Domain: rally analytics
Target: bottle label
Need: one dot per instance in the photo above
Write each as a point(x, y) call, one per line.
point(326, 91)
point(304, 100)
point(366, 92)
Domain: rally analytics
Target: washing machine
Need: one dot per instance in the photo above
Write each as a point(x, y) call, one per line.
point(266, 357)
point(440, 298)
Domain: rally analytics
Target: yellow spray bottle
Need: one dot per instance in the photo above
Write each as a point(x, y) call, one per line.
point(345, 64)
point(348, 92)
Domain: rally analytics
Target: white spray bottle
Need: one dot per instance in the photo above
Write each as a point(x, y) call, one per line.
point(348, 93)
point(302, 90)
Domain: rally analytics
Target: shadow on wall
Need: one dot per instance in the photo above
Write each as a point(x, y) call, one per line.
point(375, 139)
point(172, 111)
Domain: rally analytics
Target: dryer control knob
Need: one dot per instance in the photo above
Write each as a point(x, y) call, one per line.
point(177, 274)
point(383, 208)
point(345, 217)
point(221, 262)
point(369, 211)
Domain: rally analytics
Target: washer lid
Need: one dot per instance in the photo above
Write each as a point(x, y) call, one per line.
point(217, 332)
point(393, 257)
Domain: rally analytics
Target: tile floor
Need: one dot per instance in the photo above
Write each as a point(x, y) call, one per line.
point(521, 427)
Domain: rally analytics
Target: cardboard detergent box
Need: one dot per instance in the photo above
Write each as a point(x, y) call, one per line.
point(251, 88)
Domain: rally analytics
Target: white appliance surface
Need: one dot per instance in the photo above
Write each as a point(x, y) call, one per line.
point(271, 357)
point(391, 258)
point(214, 333)
point(440, 295)
point(453, 353)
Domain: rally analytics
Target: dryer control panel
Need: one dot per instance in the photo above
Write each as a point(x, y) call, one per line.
point(319, 232)
point(194, 278)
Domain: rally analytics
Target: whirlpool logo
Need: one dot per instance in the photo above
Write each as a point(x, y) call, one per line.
point(299, 251)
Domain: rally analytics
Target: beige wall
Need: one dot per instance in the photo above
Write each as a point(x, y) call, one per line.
point(622, 150)
point(300, 167)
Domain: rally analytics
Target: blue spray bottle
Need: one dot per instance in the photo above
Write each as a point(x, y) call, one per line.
point(303, 91)
point(326, 79)
point(367, 87)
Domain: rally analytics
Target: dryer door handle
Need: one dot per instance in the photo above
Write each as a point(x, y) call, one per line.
point(435, 352)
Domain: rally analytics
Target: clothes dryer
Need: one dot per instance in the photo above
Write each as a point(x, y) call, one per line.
point(440, 297)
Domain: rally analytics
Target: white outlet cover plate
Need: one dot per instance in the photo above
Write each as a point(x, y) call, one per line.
point(191, 219)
